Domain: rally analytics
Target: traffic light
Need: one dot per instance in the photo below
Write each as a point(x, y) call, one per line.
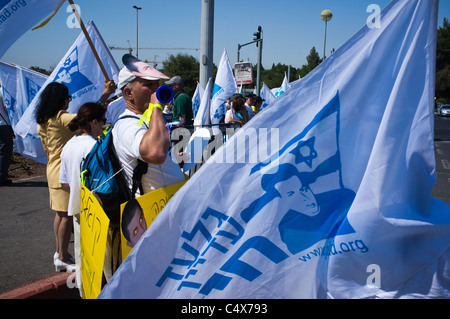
point(257, 35)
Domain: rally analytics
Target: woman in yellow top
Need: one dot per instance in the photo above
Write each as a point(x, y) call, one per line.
point(53, 121)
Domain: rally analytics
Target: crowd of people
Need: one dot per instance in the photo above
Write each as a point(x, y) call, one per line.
point(68, 138)
point(241, 109)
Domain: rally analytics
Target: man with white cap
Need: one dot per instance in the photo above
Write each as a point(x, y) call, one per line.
point(135, 139)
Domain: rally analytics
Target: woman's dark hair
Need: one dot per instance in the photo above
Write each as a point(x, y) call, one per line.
point(238, 102)
point(86, 114)
point(51, 101)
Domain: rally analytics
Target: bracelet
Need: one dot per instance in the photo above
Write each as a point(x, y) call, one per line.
point(147, 116)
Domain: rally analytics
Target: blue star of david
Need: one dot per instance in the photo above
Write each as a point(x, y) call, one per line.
point(304, 152)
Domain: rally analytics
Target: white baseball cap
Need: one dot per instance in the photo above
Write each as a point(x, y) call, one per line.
point(136, 68)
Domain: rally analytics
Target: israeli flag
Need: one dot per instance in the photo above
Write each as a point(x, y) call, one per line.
point(203, 116)
point(277, 92)
point(224, 87)
point(267, 96)
point(196, 99)
point(199, 140)
point(80, 72)
point(19, 16)
point(337, 203)
point(19, 87)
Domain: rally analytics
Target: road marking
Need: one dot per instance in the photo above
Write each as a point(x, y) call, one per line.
point(29, 178)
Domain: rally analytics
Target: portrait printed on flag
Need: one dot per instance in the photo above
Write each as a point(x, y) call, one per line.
point(70, 75)
point(308, 177)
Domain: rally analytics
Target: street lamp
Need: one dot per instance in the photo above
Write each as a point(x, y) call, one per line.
point(137, 34)
point(326, 16)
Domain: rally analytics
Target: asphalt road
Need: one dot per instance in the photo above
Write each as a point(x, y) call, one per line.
point(27, 241)
point(441, 189)
point(26, 233)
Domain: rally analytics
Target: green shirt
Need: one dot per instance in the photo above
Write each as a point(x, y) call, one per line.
point(182, 105)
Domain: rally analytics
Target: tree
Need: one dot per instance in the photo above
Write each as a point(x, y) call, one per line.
point(185, 66)
point(40, 70)
point(443, 61)
point(312, 60)
point(273, 77)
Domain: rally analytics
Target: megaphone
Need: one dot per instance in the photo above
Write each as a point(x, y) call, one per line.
point(164, 94)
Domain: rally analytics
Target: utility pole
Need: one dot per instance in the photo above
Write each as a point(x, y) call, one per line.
point(137, 28)
point(206, 42)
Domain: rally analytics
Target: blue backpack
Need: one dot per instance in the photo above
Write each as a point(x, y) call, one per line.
point(102, 174)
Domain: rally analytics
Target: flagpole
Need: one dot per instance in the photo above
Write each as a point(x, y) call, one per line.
point(88, 38)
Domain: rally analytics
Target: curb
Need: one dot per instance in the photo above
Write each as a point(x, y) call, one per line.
point(52, 287)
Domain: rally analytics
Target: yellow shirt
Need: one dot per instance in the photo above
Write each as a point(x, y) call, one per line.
point(255, 110)
point(54, 135)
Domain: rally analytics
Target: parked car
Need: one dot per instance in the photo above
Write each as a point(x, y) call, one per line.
point(444, 110)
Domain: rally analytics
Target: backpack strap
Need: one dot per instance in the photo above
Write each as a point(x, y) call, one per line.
point(138, 172)
point(181, 93)
point(140, 169)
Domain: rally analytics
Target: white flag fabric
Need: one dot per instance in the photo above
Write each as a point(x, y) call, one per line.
point(115, 110)
point(224, 87)
point(196, 99)
point(19, 86)
point(203, 116)
point(285, 85)
point(19, 16)
point(342, 208)
point(80, 72)
point(267, 96)
point(199, 140)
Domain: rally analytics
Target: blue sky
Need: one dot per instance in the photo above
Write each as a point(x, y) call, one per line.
point(290, 29)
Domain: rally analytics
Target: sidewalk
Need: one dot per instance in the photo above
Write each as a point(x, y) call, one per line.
point(52, 287)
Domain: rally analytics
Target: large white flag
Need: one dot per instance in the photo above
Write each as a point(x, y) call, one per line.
point(19, 86)
point(224, 87)
point(80, 72)
point(342, 207)
point(19, 16)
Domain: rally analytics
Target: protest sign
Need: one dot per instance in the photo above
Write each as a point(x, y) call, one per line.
point(142, 214)
point(93, 234)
